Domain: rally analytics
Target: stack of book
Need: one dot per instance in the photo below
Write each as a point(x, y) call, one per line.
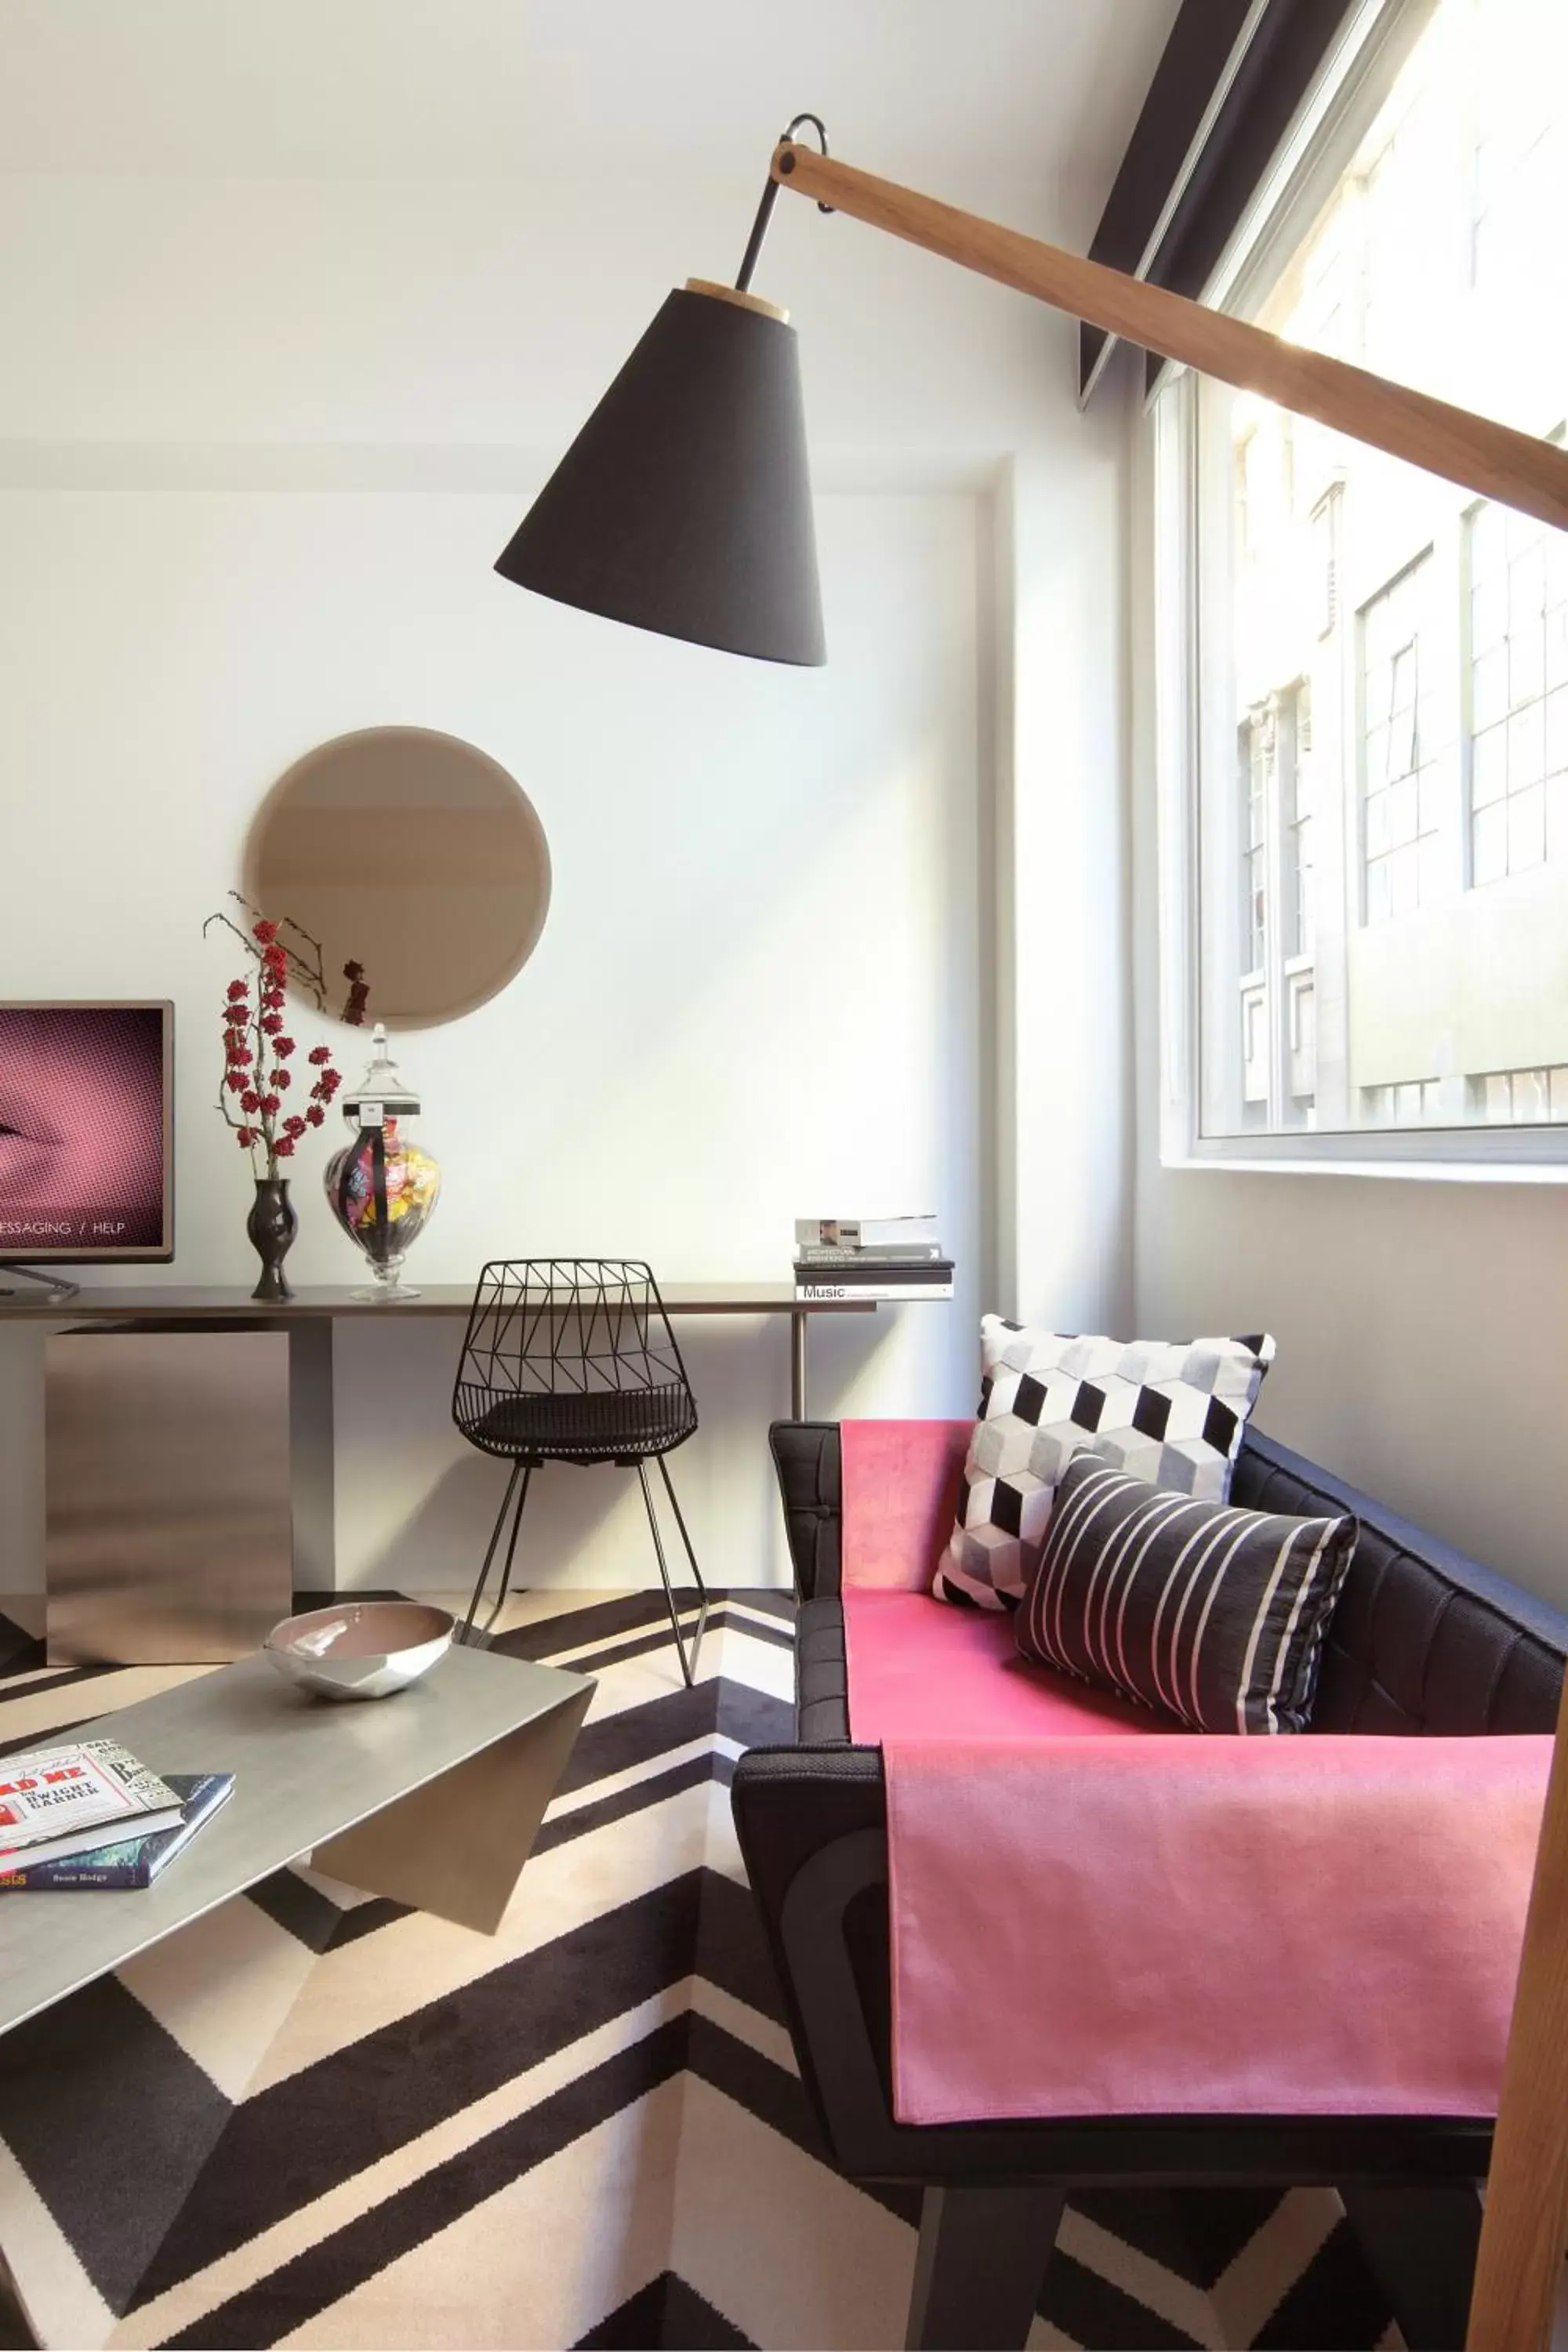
point(870, 1257)
point(91, 1816)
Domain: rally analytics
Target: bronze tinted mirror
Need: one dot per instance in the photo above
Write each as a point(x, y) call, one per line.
point(411, 854)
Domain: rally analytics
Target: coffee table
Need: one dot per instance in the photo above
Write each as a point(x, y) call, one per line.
point(433, 1797)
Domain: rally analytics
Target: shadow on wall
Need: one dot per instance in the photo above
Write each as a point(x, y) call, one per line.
point(423, 1526)
point(440, 1546)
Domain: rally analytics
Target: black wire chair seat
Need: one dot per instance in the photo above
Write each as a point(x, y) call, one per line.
point(573, 1359)
point(599, 1425)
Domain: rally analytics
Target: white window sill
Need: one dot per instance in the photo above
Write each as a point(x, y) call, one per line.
point(1408, 1170)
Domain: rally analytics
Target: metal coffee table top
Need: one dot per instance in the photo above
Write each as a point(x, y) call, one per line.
point(304, 1771)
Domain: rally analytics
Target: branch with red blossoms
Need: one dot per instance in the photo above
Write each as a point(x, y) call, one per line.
point(307, 971)
point(257, 1051)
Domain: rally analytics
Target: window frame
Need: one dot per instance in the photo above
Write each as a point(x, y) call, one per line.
point(1354, 81)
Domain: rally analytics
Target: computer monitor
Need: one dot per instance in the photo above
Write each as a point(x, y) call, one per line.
point(86, 1130)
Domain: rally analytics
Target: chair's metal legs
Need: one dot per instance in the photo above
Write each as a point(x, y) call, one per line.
point(680, 1523)
point(688, 1661)
point(511, 1549)
point(518, 1471)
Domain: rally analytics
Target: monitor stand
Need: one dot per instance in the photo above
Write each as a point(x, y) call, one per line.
point(57, 1285)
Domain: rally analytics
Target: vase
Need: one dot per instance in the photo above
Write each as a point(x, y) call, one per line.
point(272, 1226)
point(382, 1187)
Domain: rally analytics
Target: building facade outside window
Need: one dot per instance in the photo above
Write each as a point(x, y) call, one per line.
point(1373, 863)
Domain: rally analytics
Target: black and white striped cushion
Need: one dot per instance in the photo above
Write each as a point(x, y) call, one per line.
point(1214, 1616)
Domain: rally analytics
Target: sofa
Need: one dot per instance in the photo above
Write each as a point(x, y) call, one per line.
point(1423, 1642)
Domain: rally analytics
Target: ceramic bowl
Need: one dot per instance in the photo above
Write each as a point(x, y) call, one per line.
point(361, 1649)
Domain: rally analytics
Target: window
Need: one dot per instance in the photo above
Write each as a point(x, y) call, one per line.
point(1512, 1098)
point(1415, 1103)
point(1519, 691)
point(1364, 698)
point(1402, 812)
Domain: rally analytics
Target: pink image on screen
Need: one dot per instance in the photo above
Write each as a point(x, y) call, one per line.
point(81, 1130)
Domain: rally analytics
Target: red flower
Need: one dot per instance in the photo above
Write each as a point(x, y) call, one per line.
point(270, 1104)
point(284, 1147)
point(283, 1046)
point(264, 931)
point(235, 1081)
point(250, 1099)
point(236, 990)
point(315, 1114)
point(271, 998)
point(246, 1134)
point(321, 1054)
point(275, 959)
point(237, 1053)
point(293, 1126)
point(271, 1022)
point(281, 1079)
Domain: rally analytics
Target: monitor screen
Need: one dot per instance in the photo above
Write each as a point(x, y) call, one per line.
point(86, 1120)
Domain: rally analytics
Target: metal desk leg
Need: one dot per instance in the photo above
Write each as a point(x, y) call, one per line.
point(797, 1323)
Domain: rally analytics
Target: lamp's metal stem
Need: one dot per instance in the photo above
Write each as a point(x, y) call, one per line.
point(770, 196)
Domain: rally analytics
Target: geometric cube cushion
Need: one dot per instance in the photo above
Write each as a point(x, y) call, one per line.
point(1211, 1616)
point(1169, 1411)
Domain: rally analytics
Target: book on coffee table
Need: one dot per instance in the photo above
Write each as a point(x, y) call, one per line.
point(56, 1802)
point(131, 1861)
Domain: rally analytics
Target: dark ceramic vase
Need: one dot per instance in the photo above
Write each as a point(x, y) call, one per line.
point(272, 1226)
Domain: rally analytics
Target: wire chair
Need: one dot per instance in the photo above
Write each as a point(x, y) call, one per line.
point(573, 1359)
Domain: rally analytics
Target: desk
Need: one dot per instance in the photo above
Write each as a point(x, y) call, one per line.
point(149, 1305)
point(189, 1452)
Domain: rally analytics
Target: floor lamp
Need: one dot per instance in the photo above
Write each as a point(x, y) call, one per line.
point(683, 506)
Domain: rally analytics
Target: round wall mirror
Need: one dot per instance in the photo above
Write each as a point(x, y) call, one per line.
point(410, 855)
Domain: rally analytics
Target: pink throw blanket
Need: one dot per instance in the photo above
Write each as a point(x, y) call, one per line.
point(1183, 1925)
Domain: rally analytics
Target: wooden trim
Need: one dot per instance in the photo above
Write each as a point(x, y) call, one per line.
point(742, 301)
point(1481, 456)
point(1526, 2224)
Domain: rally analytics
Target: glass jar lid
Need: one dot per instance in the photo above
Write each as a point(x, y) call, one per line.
point(383, 1092)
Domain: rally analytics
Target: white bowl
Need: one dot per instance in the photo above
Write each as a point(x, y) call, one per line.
point(361, 1649)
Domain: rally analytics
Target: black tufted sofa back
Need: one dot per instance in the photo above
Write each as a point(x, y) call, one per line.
point(1424, 1639)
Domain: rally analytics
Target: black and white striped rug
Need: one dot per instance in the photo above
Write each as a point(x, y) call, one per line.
point(320, 2119)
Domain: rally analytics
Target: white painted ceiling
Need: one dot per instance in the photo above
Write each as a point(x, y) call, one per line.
point(953, 93)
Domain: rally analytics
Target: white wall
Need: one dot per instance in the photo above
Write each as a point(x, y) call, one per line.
point(259, 442)
point(757, 989)
point(1420, 1324)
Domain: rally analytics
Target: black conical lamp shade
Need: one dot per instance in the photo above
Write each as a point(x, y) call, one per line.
point(684, 504)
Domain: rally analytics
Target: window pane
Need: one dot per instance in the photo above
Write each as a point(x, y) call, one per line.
point(1526, 829)
point(1489, 613)
point(1527, 662)
point(1488, 767)
point(1527, 746)
point(1490, 850)
point(1557, 732)
point(1489, 687)
point(1555, 664)
point(1531, 1100)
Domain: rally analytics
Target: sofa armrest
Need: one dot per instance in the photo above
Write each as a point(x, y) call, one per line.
point(805, 1456)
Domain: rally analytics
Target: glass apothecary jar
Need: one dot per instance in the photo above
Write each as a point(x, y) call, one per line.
point(382, 1186)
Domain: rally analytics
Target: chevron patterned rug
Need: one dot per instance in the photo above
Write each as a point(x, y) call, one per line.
point(320, 2119)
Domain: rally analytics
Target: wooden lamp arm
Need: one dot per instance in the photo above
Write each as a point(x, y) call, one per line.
point(1491, 460)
